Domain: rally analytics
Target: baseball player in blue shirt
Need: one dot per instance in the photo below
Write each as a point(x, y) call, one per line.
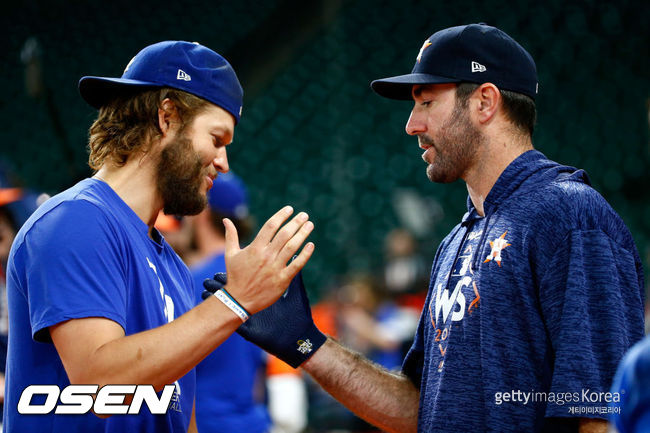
point(96, 295)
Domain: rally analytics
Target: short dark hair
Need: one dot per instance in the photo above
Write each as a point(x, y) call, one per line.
point(519, 108)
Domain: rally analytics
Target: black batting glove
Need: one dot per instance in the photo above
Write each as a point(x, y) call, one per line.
point(285, 329)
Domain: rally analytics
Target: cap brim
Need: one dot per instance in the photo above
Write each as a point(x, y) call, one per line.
point(399, 87)
point(98, 91)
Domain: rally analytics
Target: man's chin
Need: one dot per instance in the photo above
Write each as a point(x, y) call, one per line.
point(186, 208)
point(438, 176)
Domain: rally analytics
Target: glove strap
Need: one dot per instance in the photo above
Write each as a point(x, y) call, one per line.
point(231, 303)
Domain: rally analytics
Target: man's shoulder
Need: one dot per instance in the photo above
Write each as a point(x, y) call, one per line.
point(75, 209)
point(567, 187)
point(569, 198)
point(72, 204)
point(557, 188)
point(566, 205)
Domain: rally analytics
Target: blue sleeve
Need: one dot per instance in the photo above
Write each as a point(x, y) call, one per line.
point(73, 268)
point(631, 414)
point(593, 310)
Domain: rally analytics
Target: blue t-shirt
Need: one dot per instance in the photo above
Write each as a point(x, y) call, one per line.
point(225, 380)
point(85, 253)
point(530, 308)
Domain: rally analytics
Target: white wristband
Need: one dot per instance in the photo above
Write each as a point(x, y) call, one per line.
point(230, 302)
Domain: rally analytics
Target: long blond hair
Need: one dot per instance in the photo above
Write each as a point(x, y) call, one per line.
point(129, 124)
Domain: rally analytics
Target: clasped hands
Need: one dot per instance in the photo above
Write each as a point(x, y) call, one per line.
point(261, 278)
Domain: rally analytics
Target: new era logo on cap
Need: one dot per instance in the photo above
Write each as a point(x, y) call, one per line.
point(182, 75)
point(477, 67)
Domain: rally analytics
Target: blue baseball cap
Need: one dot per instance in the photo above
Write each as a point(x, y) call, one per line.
point(187, 66)
point(228, 196)
point(475, 53)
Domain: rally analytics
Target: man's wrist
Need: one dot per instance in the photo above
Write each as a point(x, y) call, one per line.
point(229, 301)
point(311, 340)
point(317, 358)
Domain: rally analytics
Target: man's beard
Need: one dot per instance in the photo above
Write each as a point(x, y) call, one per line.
point(455, 148)
point(179, 177)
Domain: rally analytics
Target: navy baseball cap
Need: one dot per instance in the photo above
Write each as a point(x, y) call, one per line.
point(475, 53)
point(187, 66)
point(228, 196)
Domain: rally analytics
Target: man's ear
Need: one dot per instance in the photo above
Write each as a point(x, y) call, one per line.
point(488, 99)
point(168, 118)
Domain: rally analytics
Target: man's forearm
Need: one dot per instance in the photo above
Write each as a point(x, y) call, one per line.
point(387, 400)
point(172, 350)
point(158, 356)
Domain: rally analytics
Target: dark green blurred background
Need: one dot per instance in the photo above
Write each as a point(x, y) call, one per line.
point(313, 134)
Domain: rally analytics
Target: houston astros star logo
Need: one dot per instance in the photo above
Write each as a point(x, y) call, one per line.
point(497, 246)
point(425, 45)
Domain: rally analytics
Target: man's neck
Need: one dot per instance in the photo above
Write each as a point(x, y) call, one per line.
point(495, 157)
point(135, 183)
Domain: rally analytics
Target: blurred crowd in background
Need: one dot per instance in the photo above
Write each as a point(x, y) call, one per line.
point(314, 136)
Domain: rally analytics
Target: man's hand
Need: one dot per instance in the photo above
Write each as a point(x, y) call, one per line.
point(259, 274)
point(285, 329)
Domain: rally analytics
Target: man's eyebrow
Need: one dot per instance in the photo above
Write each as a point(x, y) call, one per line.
point(222, 131)
point(219, 129)
point(224, 135)
point(417, 90)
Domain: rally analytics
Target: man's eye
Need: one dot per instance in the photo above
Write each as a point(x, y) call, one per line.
point(426, 103)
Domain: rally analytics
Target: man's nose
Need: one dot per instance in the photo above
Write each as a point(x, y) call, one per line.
point(220, 162)
point(415, 125)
